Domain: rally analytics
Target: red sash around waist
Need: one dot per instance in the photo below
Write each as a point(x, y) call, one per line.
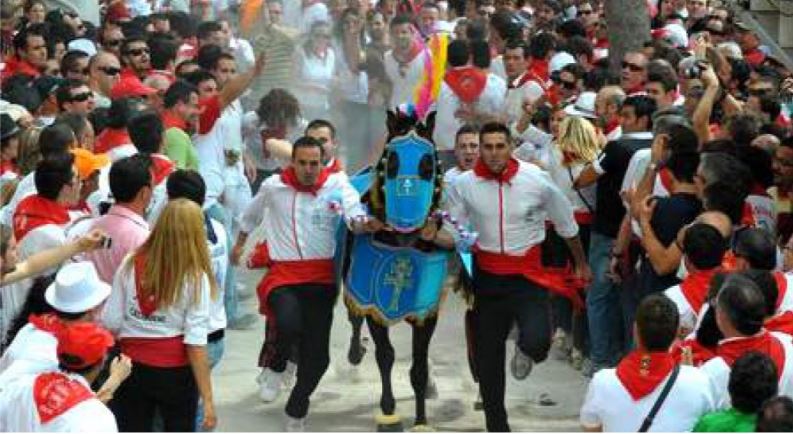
point(283, 273)
point(558, 280)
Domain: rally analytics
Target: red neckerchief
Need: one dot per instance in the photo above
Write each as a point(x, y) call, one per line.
point(170, 120)
point(128, 73)
point(728, 263)
point(35, 211)
point(520, 81)
point(161, 168)
point(569, 157)
point(758, 190)
point(754, 57)
point(695, 287)
point(611, 125)
point(111, 138)
point(782, 323)
point(699, 352)
point(781, 288)
point(47, 322)
point(81, 206)
point(641, 373)
point(602, 43)
point(334, 166)
point(16, 66)
point(732, 349)
point(481, 170)
point(55, 393)
point(539, 68)
point(289, 177)
point(146, 304)
point(666, 178)
point(747, 215)
point(638, 89)
point(8, 166)
point(467, 82)
point(415, 49)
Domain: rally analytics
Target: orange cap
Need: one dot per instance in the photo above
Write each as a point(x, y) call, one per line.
point(87, 162)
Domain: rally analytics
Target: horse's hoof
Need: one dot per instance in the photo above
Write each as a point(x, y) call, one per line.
point(356, 352)
point(389, 423)
point(422, 428)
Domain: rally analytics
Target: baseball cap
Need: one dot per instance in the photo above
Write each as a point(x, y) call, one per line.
point(87, 162)
point(131, 86)
point(83, 344)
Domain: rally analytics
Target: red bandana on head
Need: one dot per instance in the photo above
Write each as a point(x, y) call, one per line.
point(467, 82)
point(35, 211)
point(289, 177)
point(481, 170)
point(641, 373)
point(54, 394)
point(732, 349)
point(695, 287)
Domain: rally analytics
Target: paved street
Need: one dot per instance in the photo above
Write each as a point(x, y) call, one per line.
point(346, 399)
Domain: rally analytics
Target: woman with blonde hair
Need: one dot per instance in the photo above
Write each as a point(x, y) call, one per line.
point(577, 144)
point(159, 310)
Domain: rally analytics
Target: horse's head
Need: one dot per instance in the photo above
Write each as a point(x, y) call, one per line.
point(408, 182)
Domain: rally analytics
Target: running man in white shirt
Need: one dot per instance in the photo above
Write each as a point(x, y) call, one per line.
point(507, 203)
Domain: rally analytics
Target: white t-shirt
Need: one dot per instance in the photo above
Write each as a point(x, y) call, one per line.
point(489, 102)
point(608, 403)
point(403, 86)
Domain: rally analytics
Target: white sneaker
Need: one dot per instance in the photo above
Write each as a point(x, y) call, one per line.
point(269, 384)
point(290, 375)
point(295, 425)
point(520, 365)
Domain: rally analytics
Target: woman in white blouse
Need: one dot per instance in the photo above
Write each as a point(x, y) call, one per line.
point(315, 69)
point(159, 311)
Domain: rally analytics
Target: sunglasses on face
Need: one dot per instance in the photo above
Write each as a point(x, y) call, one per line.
point(109, 70)
point(113, 43)
point(585, 12)
point(715, 32)
point(81, 97)
point(138, 51)
point(632, 66)
point(569, 85)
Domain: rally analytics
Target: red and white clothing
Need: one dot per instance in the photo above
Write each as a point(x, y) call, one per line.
point(619, 399)
point(775, 345)
point(33, 350)
point(690, 295)
point(564, 173)
point(509, 211)
point(518, 205)
point(520, 91)
point(404, 77)
point(763, 209)
point(39, 224)
point(116, 143)
point(218, 135)
point(53, 402)
point(483, 92)
point(302, 222)
point(151, 335)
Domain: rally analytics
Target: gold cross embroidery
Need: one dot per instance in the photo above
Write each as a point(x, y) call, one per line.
point(398, 277)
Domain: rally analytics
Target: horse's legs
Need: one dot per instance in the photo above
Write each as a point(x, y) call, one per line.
point(384, 354)
point(419, 371)
point(357, 350)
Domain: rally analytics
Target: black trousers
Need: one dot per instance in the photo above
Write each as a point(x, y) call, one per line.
point(303, 317)
point(500, 302)
point(169, 392)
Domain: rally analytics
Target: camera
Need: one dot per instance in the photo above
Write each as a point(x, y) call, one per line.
point(693, 72)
